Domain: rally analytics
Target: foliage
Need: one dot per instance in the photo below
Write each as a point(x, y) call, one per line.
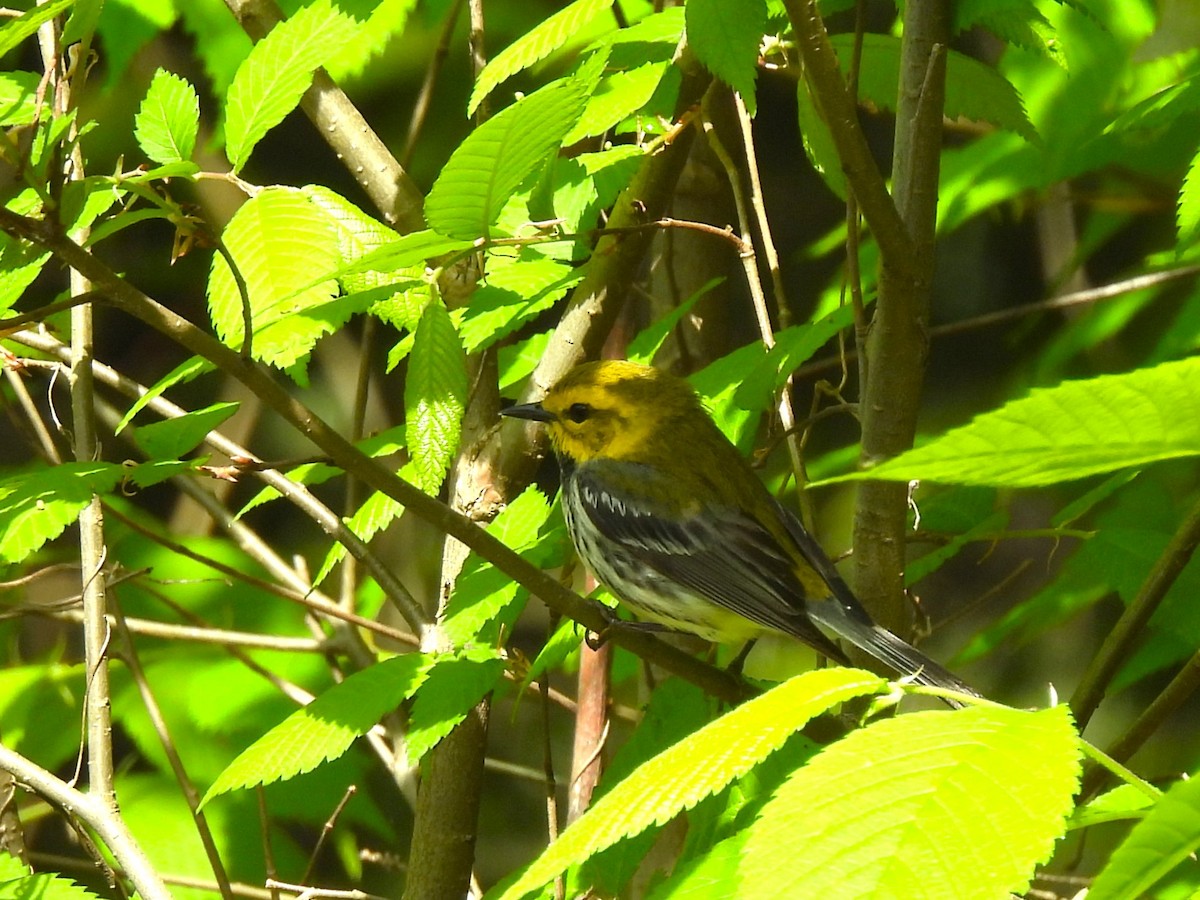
point(589, 186)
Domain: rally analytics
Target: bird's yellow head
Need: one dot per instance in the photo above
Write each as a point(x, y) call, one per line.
point(612, 409)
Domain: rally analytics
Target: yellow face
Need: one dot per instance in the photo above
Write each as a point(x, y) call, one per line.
point(589, 421)
point(608, 409)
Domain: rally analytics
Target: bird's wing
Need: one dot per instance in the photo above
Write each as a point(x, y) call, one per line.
point(720, 553)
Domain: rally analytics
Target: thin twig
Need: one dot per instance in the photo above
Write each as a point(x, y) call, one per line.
point(425, 96)
point(159, 723)
point(1128, 629)
point(787, 414)
point(298, 494)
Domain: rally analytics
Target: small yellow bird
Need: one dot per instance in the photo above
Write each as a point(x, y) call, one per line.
point(666, 513)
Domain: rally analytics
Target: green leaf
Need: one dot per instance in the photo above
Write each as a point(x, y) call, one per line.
point(697, 767)
point(326, 728)
point(1165, 838)
point(489, 166)
point(359, 235)
point(18, 98)
point(281, 243)
point(647, 342)
point(1187, 219)
point(511, 295)
point(617, 96)
point(726, 35)
point(818, 140)
point(551, 34)
point(272, 79)
point(186, 371)
point(972, 800)
point(174, 437)
point(1074, 430)
point(452, 688)
point(482, 592)
point(17, 882)
point(386, 21)
point(435, 396)
point(17, 30)
point(974, 91)
point(1125, 801)
point(167, 121)
point(36, 506)
point(1015, 22)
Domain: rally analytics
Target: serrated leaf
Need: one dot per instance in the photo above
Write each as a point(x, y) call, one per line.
point(183, 373)
point(18, 98)
point(482, 592)
point(17, 30)
point(1187, 218)
point(1166, 837)
point(697, 767)
point(451, 689)
point(1074, 430)
point(1015, 22)
point(974, 91)
point(435, 396)
point(326, 728)
point(551, 34)
point(172, 438)
point(281, 242)
point(488, 167)
point(512, 295)
point(36, 506)
point(359, 235)
point(386, 21)
point(726, 35)
point(972, 800)
point(618, 96)
point(43, 886)
point(272, 79)
point(168, 119)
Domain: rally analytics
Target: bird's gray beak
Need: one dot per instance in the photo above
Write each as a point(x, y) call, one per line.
point(532, 411)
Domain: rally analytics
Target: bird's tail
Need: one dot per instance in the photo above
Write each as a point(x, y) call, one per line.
point(890, 650)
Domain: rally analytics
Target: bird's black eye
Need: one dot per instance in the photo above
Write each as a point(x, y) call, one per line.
point(578, 412)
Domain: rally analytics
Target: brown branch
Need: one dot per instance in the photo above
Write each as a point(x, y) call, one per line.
point(898, 340)
point(840, 112)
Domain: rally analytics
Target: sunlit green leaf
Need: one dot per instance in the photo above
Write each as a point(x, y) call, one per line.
point(549, 35)
point(1071, 431)
point(168, 119)
point(725, 35)
point(278, 71)
point(492, 162)
point(435, 395)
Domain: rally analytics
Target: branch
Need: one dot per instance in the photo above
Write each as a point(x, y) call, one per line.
point(840, 113)
point(107, 824)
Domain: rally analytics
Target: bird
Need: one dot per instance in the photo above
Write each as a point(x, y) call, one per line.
point(666, 513)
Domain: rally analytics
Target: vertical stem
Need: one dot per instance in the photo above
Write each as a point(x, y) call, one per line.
point(898, 341)
point(92, 550)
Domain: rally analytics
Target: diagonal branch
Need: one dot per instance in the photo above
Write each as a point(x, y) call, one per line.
point(342, 453)
point(841, 115)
